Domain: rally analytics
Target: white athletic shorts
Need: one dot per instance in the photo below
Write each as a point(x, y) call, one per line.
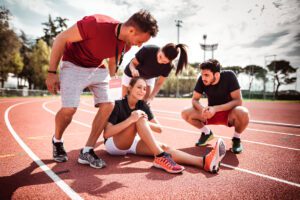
point(126, 80)
point(113, 150)
point(74, 79)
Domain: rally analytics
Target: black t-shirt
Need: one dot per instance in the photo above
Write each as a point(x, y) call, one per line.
point(220, 93)
point(148, 66)
point(122, 111)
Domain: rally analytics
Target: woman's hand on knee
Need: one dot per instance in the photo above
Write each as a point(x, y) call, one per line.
point(138, 114)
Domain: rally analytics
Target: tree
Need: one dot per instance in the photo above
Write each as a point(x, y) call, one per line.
point(52, 28)
point(257, 72)
point(236, 69)
point(25, 51)
point(61, 24)
point(282, 73)
point(10, 59)
point(39, 62)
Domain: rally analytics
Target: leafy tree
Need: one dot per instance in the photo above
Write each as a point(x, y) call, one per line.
point(236, 69)
point(282, 73)
point(25, 51)
point(10, 59)
point(52, 28)
point(186, 80)
point(61, 24)
point(252, 71)
point(39, 62)
point(257, 72)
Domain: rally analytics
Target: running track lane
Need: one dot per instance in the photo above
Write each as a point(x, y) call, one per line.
point(124, 175)
point(61, 184)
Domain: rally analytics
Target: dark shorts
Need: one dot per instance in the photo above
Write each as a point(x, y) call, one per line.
point(220, 118)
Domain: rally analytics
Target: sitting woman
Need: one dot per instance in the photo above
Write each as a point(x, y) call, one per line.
point(130, 130)
point(152, 62)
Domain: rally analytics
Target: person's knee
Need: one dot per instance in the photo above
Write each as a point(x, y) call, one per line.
point(242, 115)
point(141, 121)
point(185, 114)
point(66, 113)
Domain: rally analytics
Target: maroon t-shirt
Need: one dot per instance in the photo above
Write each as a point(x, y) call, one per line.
point(98, 42)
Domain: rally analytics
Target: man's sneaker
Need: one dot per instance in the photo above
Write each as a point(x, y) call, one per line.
point(166, 163)
point(59, 153)
point(90, 158)
point(212, 160)
point(205, 138)
point(237, 147)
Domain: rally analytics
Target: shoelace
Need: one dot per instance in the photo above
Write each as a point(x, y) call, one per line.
point(60, 148)
point(168, 160)
point(92, 153)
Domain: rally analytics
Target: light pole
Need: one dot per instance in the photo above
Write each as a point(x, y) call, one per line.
point(208, 47)
point(178, 25)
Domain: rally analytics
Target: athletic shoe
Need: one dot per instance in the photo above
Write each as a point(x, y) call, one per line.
point(59, 153)
point(237, 147)
point(166, 163)
point(90, 158)
point(205, 138)
point(212, 160)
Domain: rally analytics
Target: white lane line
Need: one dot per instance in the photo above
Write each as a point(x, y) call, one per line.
point(251, 129)
point(54, 113)
point(181, 120)
point(225, 165)
point(229, 138)
point(261, 175)
point(60, 183)
point(251, 121)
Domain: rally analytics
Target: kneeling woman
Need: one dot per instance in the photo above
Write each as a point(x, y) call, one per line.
point(130, 130)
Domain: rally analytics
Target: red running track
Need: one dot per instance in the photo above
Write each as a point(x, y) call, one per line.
point(269, 167)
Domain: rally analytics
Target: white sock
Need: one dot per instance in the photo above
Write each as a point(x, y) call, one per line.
point(236, 135)
point(56, 140)
point(86, 149)
point(205, 130)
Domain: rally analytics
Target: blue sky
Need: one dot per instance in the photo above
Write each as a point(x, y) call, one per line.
point(246, 30)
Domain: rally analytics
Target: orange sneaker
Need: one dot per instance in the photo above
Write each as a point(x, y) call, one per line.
point(166, 163)
point(212, 160)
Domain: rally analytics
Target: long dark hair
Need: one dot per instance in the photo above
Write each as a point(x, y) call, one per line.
point(171, 51)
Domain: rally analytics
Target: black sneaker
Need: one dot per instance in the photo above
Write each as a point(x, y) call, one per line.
point(90, 158)
point(237, 147)
point(205, 138)
point(59, 153)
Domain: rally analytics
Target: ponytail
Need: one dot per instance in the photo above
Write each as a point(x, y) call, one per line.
point(183, 58)
point(171, 51)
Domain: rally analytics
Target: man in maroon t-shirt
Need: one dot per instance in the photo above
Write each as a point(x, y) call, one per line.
point(84, 48)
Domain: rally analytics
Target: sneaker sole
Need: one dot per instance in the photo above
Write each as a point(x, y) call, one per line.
point(204, 144)
point(169, 171)
point(61, 159)
point(236, 152)
point(221, 151)
point(84, 162)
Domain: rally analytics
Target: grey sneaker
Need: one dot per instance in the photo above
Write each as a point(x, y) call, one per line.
point(90, 158)
point(59, 153)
